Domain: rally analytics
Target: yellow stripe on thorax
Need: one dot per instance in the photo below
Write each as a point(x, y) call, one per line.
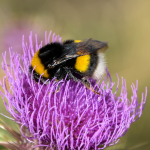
point(82, 63)
point(39, 66)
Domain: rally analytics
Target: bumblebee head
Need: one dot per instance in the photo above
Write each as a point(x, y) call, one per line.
point(44, 57)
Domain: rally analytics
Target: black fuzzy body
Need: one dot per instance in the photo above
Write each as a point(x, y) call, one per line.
point(59, 59)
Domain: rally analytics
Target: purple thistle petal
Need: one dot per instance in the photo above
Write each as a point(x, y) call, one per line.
point(73, 118)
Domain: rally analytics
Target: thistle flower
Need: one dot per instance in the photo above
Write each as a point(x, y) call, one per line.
point(74, 117)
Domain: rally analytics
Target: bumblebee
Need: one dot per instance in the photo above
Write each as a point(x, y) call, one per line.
point(76, 59)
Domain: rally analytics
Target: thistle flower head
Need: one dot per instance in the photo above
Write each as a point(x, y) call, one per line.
point(73, 118)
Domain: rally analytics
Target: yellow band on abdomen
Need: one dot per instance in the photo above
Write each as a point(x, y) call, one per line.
point(77, 41)
point(82, 63)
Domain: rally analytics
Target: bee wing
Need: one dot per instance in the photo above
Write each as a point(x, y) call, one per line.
point(85, 47)
point(90, 46)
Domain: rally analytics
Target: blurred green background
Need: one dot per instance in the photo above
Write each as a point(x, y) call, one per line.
point(124, 24)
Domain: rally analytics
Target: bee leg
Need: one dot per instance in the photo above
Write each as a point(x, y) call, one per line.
point(88, 85)
point(70, 75)
point(83, 80)
point(58, 87)
point(58, 75)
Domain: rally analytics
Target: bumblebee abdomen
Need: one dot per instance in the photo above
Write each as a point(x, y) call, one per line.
point(87, 64)
point(99, 71)
point(82, 63)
